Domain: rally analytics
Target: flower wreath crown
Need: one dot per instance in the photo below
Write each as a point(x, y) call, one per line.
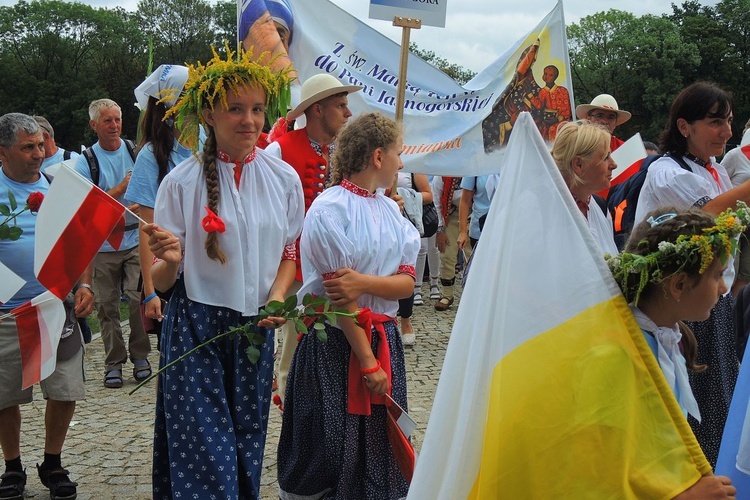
point(208, 82)
point(634, 272)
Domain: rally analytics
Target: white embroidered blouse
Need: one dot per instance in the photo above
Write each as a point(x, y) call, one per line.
point(347, 226)
point(263, 218)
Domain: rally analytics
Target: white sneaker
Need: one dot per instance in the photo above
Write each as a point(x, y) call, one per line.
point(418, 301)
point(408, 338)
point(434, 292)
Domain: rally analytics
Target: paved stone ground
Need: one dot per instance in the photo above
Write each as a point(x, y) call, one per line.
point(108, 449)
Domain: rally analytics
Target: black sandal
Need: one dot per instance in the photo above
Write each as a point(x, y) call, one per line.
point(12, 485)
point(59, 484)
point(113, 379)
point(141, 370)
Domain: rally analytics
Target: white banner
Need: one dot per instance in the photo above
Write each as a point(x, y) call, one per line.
point(448, 129)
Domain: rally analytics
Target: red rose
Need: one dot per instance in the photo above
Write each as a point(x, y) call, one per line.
point(34, 201)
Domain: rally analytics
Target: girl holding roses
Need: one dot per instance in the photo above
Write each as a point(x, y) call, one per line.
point(358, 251)
point(225, 228)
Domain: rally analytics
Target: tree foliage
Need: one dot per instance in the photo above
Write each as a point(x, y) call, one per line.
point(455, 71)
point(645, 61)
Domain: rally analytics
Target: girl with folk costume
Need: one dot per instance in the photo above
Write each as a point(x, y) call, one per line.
point(671, 271)
point(581, 152)
point(698, 128)
point(225, 227)
point(359, 251)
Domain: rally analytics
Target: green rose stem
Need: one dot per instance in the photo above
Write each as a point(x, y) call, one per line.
point(316, 308)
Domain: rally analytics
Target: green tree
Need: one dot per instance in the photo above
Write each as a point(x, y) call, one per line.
point(455, 71)
point(182, 30)
point(639, 60)
point(225, 23)
point(58, 56)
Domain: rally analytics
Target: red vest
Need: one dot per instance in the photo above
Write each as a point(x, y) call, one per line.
point(310, 166)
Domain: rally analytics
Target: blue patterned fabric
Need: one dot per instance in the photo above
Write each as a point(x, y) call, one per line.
point(211, 408)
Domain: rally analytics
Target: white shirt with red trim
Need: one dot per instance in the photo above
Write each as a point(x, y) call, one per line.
point(348, 227)
point(263, 218)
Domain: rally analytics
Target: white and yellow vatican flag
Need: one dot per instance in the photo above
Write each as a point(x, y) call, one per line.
point(549, 389)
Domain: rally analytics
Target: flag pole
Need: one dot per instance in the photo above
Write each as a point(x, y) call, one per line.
point(406, 24)
point(10, 314)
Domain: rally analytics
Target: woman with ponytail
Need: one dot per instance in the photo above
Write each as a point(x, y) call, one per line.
point(225, 228)
point(159, 151)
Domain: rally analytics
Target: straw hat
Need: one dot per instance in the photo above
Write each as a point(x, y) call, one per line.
point(604, 102)
point(317, 88)
point(167, 79)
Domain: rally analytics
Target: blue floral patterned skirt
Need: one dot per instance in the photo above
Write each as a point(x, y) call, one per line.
point(211, 408)
point(324, 451)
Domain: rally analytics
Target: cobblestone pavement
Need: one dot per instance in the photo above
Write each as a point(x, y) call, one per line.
point(108, 448)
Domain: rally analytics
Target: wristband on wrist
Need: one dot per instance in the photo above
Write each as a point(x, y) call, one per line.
point(149, 298)
point(87, 286)
point(371, 370)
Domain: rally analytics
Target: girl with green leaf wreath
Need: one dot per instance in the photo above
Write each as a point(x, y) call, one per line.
point(225, 229)
point(672, 270)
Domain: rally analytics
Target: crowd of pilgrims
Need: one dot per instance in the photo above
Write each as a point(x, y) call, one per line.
point(235, 218)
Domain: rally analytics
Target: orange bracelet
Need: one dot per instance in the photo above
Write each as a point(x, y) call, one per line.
point(371, 370)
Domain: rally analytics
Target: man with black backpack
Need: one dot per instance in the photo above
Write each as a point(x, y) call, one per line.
point(109, 164)
point(53, 154)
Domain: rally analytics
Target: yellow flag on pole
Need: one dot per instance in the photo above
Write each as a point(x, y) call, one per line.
point(549, 389)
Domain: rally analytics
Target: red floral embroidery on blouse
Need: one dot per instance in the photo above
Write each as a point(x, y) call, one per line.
point(350, 186)
point(226, 159)
point(328, 276)
point(407, 270)
point(290, 252)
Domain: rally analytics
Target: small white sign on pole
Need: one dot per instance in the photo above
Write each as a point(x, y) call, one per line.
point(431, 12)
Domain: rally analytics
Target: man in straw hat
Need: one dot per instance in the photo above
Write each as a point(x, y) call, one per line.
point(325, 104)
point(604, 111)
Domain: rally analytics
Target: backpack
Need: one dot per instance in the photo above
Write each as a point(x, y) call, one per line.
point(66, 155)
point(93, 161)
point(623, 198)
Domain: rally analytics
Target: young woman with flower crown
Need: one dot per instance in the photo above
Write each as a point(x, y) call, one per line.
point(225, 228)
point(358, 251)
point(672, 270)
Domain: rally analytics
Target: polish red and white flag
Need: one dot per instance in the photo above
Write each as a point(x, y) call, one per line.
point(39, 323)
point(10, 283)
point(629, 157)
point(73, 222)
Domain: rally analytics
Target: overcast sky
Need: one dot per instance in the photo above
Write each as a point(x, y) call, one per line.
point(476, 31)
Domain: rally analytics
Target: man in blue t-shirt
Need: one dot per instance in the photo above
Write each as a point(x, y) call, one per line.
point(111, 165)
point(53, 154)
point(21, 153)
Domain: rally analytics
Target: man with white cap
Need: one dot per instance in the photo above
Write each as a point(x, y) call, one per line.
point(325, 104)
point(604, 111)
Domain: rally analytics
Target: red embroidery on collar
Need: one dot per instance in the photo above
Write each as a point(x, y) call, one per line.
point(221, 155)
point(350, 186)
